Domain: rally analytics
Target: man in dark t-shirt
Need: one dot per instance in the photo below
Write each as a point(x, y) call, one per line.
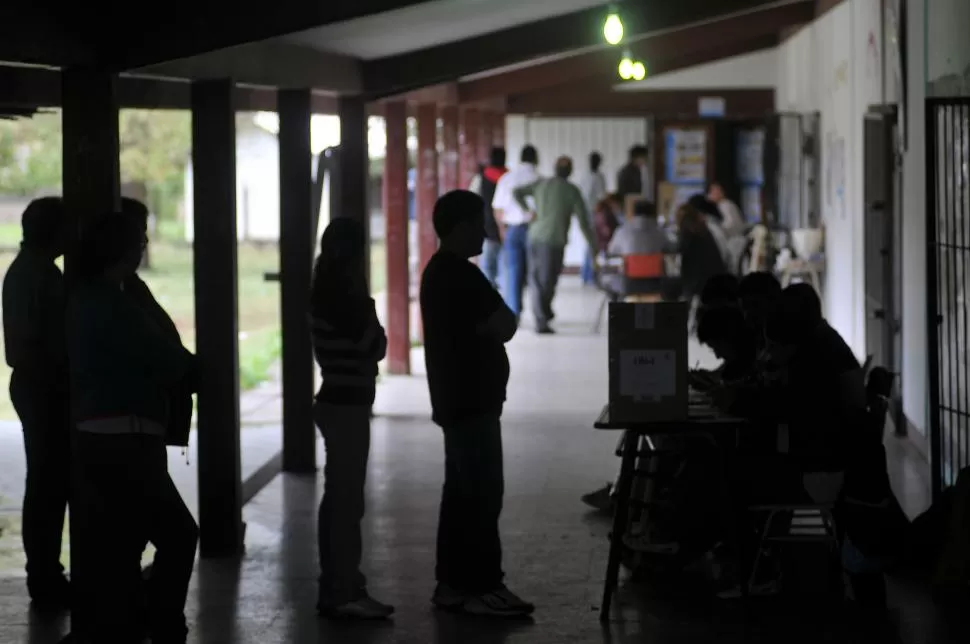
point(629, 180)
point(466, 325)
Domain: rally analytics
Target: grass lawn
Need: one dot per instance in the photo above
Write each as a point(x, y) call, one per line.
point(170, 278)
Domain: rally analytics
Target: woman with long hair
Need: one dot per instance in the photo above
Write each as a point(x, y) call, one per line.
point(700, 255)
point(348, 342)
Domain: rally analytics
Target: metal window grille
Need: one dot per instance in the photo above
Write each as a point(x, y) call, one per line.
point(948, 270)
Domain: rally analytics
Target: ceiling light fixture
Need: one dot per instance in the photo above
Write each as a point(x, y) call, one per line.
point(613, 28)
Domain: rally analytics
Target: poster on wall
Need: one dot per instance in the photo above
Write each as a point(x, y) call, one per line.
point(751, 145)
point(686, 155)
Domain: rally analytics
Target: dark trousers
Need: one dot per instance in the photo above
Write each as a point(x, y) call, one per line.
point(469, 557)
point(128, 497)
point(346, 435)
point(44, 416)
point(545, 266)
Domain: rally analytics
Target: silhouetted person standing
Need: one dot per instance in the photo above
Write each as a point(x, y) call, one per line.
point(348, 342)
point(123, 366)
point(33, 328)
point(557, 201)
point(466, 326)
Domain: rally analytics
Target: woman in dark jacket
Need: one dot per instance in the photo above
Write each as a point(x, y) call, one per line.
point(700, 255)
point(348, 342)
point(122, 367)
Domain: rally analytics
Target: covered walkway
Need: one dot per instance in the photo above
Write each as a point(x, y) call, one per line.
point(555, 553)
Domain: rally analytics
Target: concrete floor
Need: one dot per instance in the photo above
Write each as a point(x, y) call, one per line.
point(555, 553)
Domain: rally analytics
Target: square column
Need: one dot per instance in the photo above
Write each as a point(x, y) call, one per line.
point(216, 317)
point(448, 161)
point(485, 121)
point(469, 134)
point(89, 123)
point(396, 239)
point(350, 185)
point(296, 273)
point(498, 129)
point(92, 187)
point(427, 187)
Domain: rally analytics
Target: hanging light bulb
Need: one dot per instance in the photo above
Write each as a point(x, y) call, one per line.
point(613, 28)
point(639, 71)
point(626, 68)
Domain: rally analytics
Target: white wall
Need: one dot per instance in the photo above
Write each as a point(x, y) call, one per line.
point(834, 66)
point(257, 190)
point(748, 71)
point(914, 331)
point(576, 138)
point(840, 66)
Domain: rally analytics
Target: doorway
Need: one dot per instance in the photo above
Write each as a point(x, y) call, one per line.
point(883, 249)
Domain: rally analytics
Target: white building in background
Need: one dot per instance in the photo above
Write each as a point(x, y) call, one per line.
point(258, 174)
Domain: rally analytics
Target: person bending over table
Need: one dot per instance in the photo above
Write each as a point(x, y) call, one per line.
point(810, 414)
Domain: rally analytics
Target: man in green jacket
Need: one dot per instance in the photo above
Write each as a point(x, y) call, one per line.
point(557, 202)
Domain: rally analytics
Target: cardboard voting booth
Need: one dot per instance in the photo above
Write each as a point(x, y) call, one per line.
point(648, 361)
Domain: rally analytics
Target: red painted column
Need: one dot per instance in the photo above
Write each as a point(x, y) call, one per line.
point(498, 129)
point(470, 130)
point(427, 181)
point(396, 239)
point(485, 136)
point(448, 163)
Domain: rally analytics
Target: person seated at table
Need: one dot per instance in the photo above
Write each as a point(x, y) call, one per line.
point(758, 293)
point(642, 235)
point(724, 330)
point(605, 224)
point(700, 257)
point(720, 290)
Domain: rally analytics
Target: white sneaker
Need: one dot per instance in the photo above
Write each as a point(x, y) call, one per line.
point(447, 598)
point(492, 605)
point(514, 602)
point(364, 608)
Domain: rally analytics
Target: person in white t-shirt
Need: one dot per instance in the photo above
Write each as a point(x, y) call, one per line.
point(514, 222)
point(593, 187)
point(732, 221)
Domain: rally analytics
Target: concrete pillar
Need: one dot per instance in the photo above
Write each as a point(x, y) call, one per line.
point(351, 176)
point(498, 129)
point(296, 269)
point(92, 187)
point(450, 155)
point(485, 123)
point(396, 239)
point(469, 133)
point(216, 317)
point(89, 122)
point(427, 181)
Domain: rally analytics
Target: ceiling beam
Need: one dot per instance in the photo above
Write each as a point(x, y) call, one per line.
point(187, 28)
point(272, 64)
point(707, 42)
point(597, 100)
point(571, 32)
point(31, 88)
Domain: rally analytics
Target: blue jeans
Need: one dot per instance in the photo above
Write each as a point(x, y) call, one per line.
point(586, 272)
point(488, 262)
point(516, 257)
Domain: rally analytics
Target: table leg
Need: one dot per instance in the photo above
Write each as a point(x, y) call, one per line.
point(630, 444)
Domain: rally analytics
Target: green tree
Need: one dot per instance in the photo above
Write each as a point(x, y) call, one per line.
point(155, 146)
point(30, 155)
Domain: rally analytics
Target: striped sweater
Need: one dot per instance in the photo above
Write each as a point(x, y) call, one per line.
point(348, 342)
